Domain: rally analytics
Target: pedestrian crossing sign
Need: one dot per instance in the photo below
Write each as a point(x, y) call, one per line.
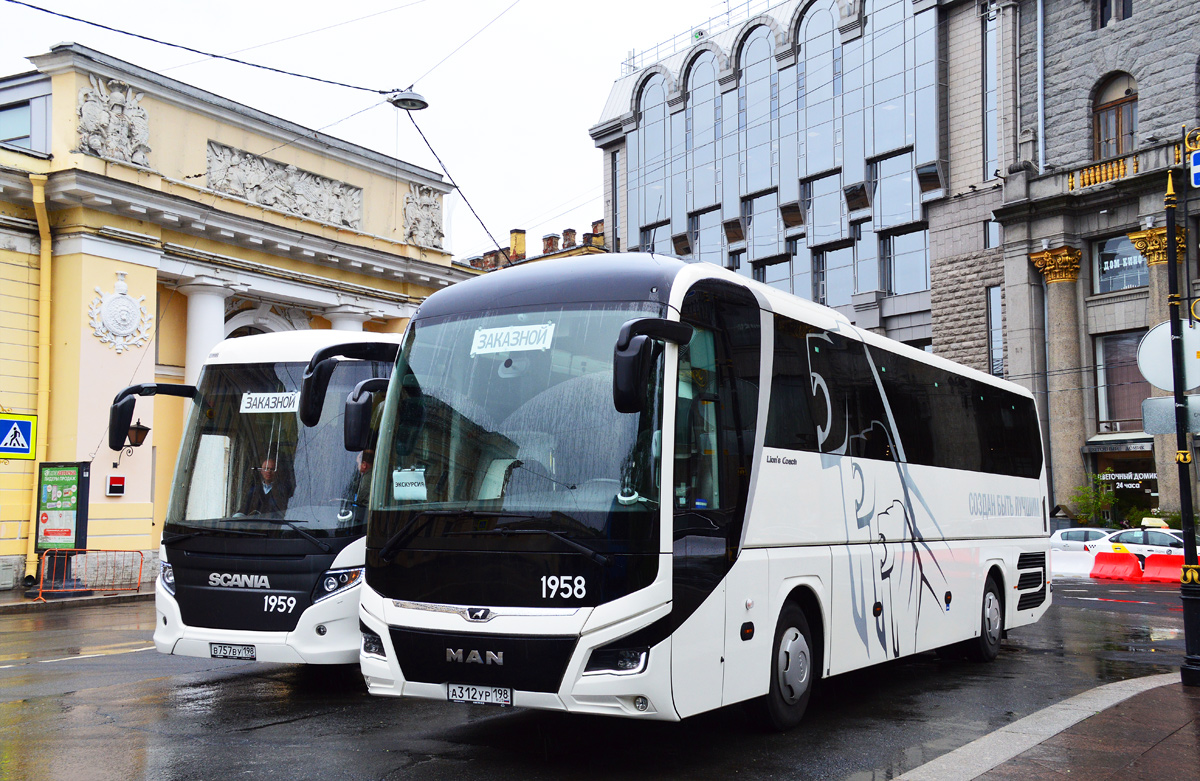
point(18, 436)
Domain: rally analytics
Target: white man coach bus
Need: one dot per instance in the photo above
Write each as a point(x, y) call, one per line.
point(637, 486)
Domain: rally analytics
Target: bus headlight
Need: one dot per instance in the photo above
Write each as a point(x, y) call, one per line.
point(619, 661)
point(167, 573)
point(335, 581)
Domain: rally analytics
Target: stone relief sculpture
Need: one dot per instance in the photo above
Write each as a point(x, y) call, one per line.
point(284, 187)
point(423, 217)
point(112, 122)
point(118, 319)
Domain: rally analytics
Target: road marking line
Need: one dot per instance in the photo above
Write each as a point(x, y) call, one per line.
point(80, 656)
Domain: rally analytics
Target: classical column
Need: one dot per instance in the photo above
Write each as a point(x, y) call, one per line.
point(205, 321)
point(1064, 381)
point(346, 318)
point(1152, 244)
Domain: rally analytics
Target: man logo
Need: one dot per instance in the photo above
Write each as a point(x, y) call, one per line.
point(474, 657)
point(478, 613)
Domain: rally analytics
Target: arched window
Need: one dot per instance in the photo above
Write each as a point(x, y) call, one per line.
point(703, 128)
point(758, 109)
point(654, 155)
point(1114, 117)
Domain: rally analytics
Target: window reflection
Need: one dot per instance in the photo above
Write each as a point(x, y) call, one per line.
point(860, 113)
point(907, 262)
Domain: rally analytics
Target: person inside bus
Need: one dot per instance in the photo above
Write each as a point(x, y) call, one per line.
point(360, 483)
point(267, 495)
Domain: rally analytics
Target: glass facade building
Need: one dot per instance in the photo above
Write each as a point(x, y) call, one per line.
point(796, 147)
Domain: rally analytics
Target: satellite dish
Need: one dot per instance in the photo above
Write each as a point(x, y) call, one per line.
point(1154, 356)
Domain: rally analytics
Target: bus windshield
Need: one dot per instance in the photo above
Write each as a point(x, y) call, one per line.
point(501, 434)
point(247, 466)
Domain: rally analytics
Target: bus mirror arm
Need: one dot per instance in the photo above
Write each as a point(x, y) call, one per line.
point(120, 414)
point(633, 353)
point(320, 368)
point(359, 405)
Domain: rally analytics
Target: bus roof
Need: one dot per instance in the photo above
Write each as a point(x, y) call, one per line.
point(651, 277)
point(288, 346)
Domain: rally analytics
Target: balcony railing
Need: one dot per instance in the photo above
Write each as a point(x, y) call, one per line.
point(1145, 160)
point(735, 14)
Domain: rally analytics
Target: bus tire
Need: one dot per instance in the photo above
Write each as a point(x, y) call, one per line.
point(792, 672)
point(986, 647)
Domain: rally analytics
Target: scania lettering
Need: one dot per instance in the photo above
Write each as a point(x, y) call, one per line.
point(691, 490)
point(238, 581)
point(262, 548)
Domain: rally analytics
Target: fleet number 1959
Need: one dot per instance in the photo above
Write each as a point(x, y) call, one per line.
point(276, 604)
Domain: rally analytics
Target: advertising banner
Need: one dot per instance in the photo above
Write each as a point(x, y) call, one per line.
point(62, 505)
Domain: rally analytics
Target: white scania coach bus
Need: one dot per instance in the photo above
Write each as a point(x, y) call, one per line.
point(632, 485)
point(262, 548)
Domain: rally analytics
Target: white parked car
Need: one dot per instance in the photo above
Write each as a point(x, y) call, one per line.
point(1139, 542)
point(1075, 539)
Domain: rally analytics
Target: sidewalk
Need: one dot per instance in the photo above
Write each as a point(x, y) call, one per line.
point(15, 601)
point(1135, 730)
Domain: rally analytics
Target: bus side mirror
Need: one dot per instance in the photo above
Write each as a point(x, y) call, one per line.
point(315, 381)
point(633, 353)
point(312, 390)
point(120, 414)
point(359, 405)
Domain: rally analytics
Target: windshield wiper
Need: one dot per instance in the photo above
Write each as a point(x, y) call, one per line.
point(422, 519)
point(206, 532)
point(286, 522)
point(590, 553)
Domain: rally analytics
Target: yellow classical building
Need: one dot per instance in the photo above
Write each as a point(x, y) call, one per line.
point(142, 220)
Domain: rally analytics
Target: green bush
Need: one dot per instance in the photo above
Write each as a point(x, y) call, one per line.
point(1093, 499)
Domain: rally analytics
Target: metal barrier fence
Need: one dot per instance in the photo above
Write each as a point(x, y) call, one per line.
point(81, 571)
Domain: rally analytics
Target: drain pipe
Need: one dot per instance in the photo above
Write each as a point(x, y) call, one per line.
point(1041, 84)
point(43, 380)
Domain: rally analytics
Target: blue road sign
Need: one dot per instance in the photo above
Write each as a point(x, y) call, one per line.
point(1195, 168)
point(18, 434)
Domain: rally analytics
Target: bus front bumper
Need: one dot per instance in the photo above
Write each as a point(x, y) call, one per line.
point(645, 694)
point(304, 645)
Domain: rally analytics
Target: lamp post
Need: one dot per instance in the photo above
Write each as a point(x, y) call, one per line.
point(1189, 586)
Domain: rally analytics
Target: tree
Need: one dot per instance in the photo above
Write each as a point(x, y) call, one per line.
point(1094, 498)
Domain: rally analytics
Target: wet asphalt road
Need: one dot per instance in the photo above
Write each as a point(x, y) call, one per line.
point(83, 695)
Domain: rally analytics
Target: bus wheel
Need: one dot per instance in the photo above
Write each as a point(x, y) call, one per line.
point(991, 625)
point(791, 672)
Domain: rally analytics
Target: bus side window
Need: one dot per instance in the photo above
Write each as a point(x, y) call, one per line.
point(696, 469)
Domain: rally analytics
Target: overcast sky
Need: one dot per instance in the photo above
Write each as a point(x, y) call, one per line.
point(509, 110)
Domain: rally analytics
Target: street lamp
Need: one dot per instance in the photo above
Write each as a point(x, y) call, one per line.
point(134, 438)
point(407, 100)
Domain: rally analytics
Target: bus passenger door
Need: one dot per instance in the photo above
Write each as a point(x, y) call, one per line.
point(715, 423)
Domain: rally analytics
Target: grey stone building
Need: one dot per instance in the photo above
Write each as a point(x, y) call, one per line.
point(1106, 90)
point(850, 152)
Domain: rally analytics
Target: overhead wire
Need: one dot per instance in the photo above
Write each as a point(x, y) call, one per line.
point(464, 43)
point(460, 191)
point(303, 34)
point(193, 50)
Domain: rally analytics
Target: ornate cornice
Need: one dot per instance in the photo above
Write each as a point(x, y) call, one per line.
point(1152, 243)
point(1060, 264)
